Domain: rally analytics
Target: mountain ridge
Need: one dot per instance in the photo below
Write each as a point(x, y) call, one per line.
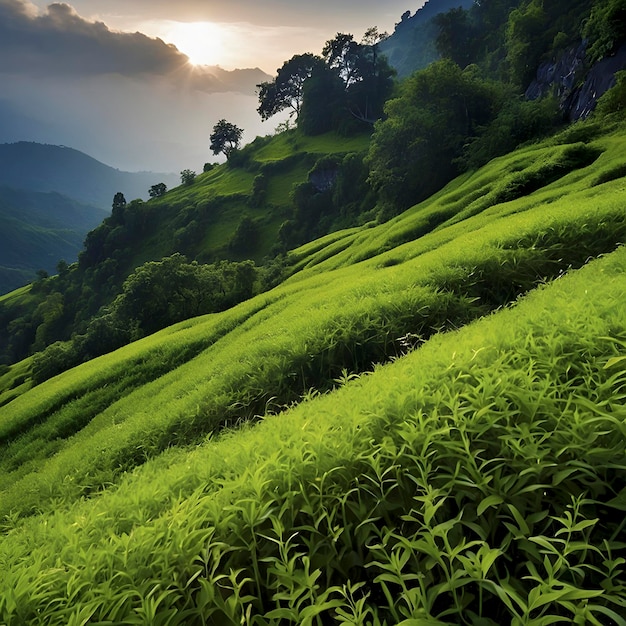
point(47, 167)
point(37, 230)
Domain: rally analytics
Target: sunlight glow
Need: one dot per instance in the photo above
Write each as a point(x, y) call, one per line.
point(202, 42)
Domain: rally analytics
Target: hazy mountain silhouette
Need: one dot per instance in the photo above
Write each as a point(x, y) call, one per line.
point(41, 167)
point(39, 229)
point(412, 47)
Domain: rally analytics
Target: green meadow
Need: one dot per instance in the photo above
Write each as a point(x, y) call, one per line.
point(424, 424)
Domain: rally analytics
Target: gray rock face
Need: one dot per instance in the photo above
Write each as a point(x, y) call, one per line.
point(560, 75)
point(599, 80)
point(577, 87)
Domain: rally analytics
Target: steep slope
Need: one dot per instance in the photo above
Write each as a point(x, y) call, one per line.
point(473, 479)
point(40, 167)
point(230, 213)
point(37, 230)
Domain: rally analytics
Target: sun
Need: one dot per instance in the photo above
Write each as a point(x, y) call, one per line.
point(202, 42)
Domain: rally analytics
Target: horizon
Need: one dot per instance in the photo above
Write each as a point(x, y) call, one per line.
point(127, 81)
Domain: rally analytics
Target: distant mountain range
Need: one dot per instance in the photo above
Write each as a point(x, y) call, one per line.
point(39, 229)
point(41, 167)
point(50, 198)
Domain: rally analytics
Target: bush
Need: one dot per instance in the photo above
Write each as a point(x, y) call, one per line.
point(187, 177)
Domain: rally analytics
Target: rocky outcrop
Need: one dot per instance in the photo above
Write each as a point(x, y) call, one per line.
point(324, 178)
point(582, 101)
point(577, 87)
point(559, 76)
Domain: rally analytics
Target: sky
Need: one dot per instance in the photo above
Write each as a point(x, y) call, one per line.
point(139, 84)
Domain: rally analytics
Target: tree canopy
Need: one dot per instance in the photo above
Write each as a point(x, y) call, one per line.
point(225, 138)
point(415, 150)
point(158, 190)
point(350, 79)
point(286, 90)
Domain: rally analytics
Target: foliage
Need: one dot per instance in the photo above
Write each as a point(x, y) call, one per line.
point(455, 38)
point(614, 100)
point(525, 28)
point(245, 237)
point(606, 28)
point(538, 30)
point(516, 122)
point(438, 109)
point(474, 489)
point(323, 102)
point(286, 90)
point(155, 295)
point(351, 81)
point(158, 190)
point(225, 138)
point(118, 206)
point(408, 462)
point(187, 177)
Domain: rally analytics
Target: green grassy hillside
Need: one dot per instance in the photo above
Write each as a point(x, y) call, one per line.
point(423, 425)
point(204, 216)
point(233, 212)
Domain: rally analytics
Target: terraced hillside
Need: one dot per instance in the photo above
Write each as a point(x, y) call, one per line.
point(424, 424)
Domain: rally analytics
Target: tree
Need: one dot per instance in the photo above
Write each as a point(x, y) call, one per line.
point(324, 105)
point(367, 77)
point(158, 190)
point(225, 138)
point(455, 36)
point(119, 201)
point(606, 28)
point(118, 208)
point(343, 54)
point(187, 177)
point(415, 151)
point(286, 90)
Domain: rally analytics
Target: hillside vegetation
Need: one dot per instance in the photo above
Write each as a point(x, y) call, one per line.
point(406, 463)
point(355, 375)
point(233, 218)
point(363, 147)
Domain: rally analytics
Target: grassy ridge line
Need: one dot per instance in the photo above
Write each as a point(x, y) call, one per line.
point(220, 198)
point(490, 192)
point(484, 440)
point(354, 319)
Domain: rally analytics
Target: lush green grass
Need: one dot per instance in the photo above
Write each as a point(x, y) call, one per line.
point(216, 201)
point(471, 478)
point(335, 450)
point(356, 316)
point(289, 143)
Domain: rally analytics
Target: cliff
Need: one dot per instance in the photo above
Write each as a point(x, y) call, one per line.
point(576, 85)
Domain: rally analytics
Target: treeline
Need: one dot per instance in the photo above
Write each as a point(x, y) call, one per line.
point(156, 295)
point(342, 90)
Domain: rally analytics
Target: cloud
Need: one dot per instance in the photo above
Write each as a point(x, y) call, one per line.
point(127, 99)
point(59, 42)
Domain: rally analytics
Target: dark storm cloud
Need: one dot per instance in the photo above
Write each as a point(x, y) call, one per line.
point(59, 41)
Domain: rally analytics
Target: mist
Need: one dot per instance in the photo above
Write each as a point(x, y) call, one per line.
point(131, 124)
point(128, 100)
